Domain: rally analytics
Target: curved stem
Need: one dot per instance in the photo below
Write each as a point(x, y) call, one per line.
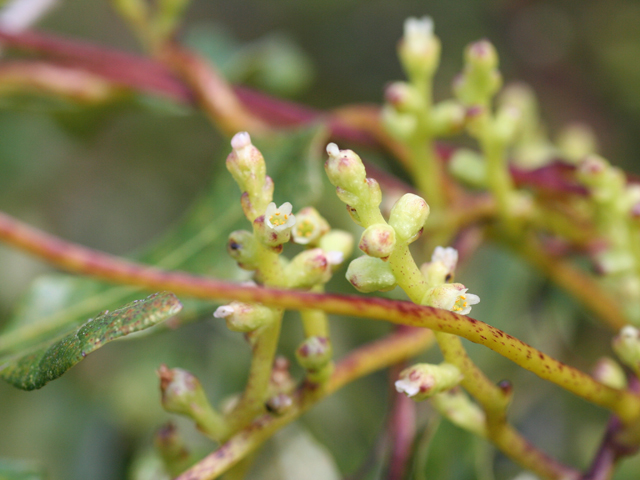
point(401, 345)
point(79, 259)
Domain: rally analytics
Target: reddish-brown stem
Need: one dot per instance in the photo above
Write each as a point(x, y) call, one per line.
point(79, 259)
point(401, 430)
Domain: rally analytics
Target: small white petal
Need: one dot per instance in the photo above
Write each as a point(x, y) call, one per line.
point(465, 311)
point(472, 299)
point(240, 140)
point(630, 332)
point(448, 256)
point(407, 387)
point(422, 27)
point(333, 150)
point(334, 257)
point(285, 208)
point(224, 311)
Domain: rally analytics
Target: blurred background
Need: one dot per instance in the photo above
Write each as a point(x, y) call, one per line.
point(116, 177)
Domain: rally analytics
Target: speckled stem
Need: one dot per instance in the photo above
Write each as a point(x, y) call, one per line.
point(79, 259)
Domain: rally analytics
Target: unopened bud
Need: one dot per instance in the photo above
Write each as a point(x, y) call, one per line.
point(378, 240)
point(370, 274)
point(345, 169)
point(337, 241)
point(172, 448)
point(482, 55)
point(279, 404)
point(592, 170)
point(307, 269)
point(423, 380)
point(609, 372)
point(403, 97)
point(246, 164)
point(469, 167)
point(408, 216)
point(461, 411)
point(447, 118)
point(182, 393)
point(310, 226)
point(576, 141)
point(419, 49)
point(245, 317)
point(314, 353)
point(507, 122)
point(480, 79)
point(242, 247)
point(452, 297)
point(442, 267)
point(627, 346)
point(399, 125)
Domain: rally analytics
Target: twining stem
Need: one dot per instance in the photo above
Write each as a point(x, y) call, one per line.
point(78, 259)
point(401, 345)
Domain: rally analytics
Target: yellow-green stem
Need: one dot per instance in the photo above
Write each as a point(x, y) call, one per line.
point(315, 322)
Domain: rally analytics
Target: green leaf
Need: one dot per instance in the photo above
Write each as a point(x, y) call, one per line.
point(19, 470)
point(196, 245)
point(34, 370)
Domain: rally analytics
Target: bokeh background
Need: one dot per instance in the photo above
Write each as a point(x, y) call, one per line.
point(118, 176)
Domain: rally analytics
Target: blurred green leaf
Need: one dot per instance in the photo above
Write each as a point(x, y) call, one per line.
point(34, 370)
point(274, 63)
point(197, 245)
point(18, 470)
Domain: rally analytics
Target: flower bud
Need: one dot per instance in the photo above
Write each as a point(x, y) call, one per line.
point(461, 411)
point(609, 372)
point(452, 297)
point(399, 125)
point(172, 449)
point(419, 49)
point(507, 122)
point(245, 317)
point(468, 167)
point(242, 247)
point(337, 241)
point(370, 274)
point(310, 226)
point(274, 227)
point(576, 141)
point(447, 118)
point(423, 380)
point(279, 404)
point(246, 164)
point(627, 346)
point(345, 169)
point(592, 170)
point(442, 266)
point(408, 216)
point(183, 394)
point(378, 240)
point(403, 97)
point(480, 79)
point(307, 269)
point(314, 353)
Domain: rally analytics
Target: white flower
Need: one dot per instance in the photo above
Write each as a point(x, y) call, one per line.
point(452, 297)
point(240, 140)
point(334, 257)
point(407, 387)
point(280, 218)
point(418, 29)
point(448, 256)
point(224, 311)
